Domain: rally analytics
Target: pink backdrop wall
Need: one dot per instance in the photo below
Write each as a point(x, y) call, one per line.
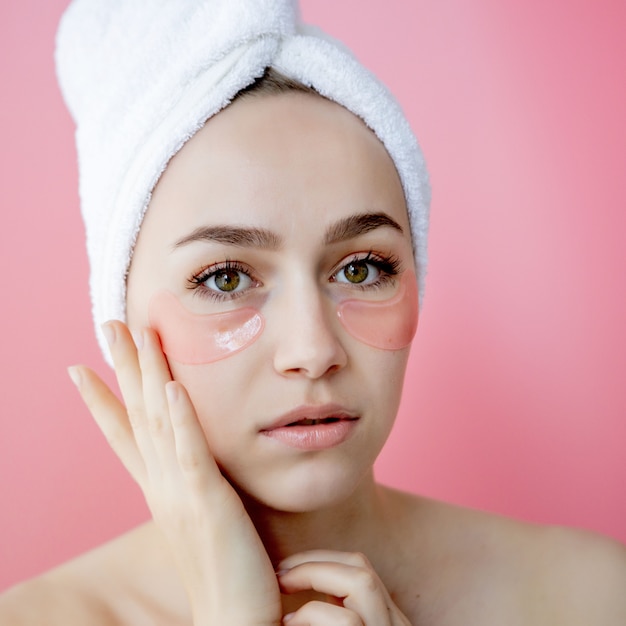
point(516, 394)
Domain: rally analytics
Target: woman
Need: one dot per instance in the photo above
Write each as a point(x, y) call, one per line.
point(282, 224)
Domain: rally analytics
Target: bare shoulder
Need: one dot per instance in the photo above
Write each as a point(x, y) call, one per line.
point(53, 599)
point(549, 574)
point(500, 570)
point(579, 575)
point(129, 580)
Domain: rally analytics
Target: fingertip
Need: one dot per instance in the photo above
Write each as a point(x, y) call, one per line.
point(288, 563)
point(150, 333)
point(149, 344)
point(172, 392)
point(75, 375)
point(138, 339)
point(108, 330)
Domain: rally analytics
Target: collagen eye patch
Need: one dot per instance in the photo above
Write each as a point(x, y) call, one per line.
point(388, 325)
point(195, 339)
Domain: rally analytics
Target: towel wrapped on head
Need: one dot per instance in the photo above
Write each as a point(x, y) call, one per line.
point(140, 77)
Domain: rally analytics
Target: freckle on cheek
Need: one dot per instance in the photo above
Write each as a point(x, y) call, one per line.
point(193, 339)
point(388, 325)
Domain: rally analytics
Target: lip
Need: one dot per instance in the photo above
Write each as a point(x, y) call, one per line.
point(287, 431)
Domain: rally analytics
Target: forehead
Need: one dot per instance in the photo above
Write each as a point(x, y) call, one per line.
point(268, 156)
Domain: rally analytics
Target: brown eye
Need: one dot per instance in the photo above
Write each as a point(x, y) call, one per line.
point(361, 273)
point(224, 281)
point(227, 280)
point(356, 272)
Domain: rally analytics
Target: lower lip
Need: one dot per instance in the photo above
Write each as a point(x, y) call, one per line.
point(314, 437)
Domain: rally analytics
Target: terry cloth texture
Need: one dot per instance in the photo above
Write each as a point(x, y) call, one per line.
point(140, 77)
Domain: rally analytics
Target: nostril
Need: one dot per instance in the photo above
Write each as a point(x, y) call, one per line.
point(325, 358)
point(307, 342)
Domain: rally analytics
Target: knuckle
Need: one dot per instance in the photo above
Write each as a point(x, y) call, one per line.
point(351, 619)
point(135, 417)
point(367, 579)
point(156, 425)
point(360, 560)
point(189, 462)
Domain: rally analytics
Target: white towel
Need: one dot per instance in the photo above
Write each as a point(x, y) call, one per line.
point(140, 77)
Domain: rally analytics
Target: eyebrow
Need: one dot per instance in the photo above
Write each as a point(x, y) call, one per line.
point(234, 236)
point(355, 225)
point(344, 229)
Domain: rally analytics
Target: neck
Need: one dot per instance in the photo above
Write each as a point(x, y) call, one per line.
point(354, 524)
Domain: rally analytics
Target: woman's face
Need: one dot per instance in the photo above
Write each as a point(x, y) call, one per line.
point(285, 207)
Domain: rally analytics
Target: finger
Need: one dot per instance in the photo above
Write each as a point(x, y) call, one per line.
point(192, 451)
point(110, 415)
point(359, 588)
point(129, 379)
point(356, 559)
point(155, 374)
point(321, 614)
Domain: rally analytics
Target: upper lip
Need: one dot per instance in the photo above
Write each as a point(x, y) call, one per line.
point(312, 412)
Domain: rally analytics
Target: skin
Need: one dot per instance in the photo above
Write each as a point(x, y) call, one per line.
point(247, 532)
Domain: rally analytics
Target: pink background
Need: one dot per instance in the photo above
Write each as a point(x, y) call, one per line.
point(516, 393)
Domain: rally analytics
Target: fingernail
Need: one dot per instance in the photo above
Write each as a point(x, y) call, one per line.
point(138, 339)
point(283, 566)
point(288, 617)
point(281, 572)
point(74, 374)
point(171, 391)
point(109, 332)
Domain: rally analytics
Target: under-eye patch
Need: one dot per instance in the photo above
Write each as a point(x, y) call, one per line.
point(194, 339)
point(387, 324)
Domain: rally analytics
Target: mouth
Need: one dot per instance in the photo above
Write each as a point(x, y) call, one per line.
point(313, 428)
point(315, 422)
point(311, 415)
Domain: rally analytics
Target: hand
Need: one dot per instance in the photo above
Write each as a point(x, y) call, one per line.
point(346, 576)
point(221, 559)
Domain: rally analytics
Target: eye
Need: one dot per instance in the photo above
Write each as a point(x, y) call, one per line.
point(357, 272)
point(222, 281)
point(367, 271)
point(228, 280)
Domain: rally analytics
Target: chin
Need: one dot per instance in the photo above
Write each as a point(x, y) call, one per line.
point(304, 490)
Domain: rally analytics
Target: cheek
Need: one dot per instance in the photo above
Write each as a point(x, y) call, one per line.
point(200, 339)
point(387, 325)
point(224, 413)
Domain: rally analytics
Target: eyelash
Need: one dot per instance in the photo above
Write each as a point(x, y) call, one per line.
point(197, 281)
point(388, 267)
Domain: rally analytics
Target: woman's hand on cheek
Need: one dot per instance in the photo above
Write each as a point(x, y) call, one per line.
point(221, 559)
point(350, 578)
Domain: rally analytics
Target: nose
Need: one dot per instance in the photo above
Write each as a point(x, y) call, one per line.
point(307, 343)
